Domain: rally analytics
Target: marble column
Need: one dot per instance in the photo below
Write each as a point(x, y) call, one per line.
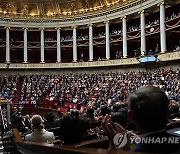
point(42, 45)
point(162, 28)
point(124, 37)
point(74, 44)
point(25, 46)
point(90, 42)
point(143, 38)
point(58, 45)
point(7, 45)
point(107, 41)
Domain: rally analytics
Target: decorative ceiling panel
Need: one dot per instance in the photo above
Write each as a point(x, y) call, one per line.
point(56, 7)
point(30, 9)
point(48, 9)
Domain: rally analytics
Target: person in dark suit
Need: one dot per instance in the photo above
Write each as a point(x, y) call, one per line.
point(50, 121)
point(148, 108)
point(73, 128)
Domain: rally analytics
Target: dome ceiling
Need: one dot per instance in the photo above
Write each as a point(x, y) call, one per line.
point(43, 8)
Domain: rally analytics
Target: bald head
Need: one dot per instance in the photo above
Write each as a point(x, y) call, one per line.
point(149, 108)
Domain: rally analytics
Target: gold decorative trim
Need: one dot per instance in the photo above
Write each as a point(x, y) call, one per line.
point(73, 17)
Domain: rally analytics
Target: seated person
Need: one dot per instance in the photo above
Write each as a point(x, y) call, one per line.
point(90, 115)
point(18, 122)
point(148, 108)
point(115, 108)
point(104, 110)
point(39, 134)
point(174, 112)
point(120, 118)
point(174, 117)
point(50, 121)
point(73, 128)
point(27, 121)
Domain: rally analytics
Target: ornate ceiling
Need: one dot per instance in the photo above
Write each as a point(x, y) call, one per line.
point(41, 8)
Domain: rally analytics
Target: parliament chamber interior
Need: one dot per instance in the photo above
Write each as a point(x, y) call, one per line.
point(89, 76)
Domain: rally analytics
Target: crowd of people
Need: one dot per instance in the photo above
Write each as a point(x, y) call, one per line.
point(148, 113)
point(34, 87)
point(109, 98)
point(96, 88)
point(92, 89)
point(9, 86)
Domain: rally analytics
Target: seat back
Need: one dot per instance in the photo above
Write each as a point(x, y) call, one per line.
point(17, 135)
